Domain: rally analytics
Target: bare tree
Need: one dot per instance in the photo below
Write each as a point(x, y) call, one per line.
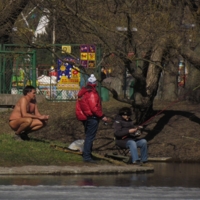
point(10, 10)
point(154, 32)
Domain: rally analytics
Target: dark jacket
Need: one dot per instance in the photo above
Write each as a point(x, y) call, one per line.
point(103, 76)
point(88, 103)
point(121, 131)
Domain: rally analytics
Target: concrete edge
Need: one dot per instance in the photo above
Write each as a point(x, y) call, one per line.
point(74, 170)
point(11, 99)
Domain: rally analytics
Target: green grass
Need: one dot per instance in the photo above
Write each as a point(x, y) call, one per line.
point(33, 152)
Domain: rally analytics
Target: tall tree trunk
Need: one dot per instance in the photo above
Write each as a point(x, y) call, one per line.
point(144, 111)
point(154, 70)
point(169, 79)
point(192, 84)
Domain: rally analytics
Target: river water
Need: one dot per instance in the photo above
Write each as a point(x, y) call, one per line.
point(168, 181)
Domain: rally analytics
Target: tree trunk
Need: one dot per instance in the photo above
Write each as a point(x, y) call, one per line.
point(192, 91)
point(145, 110)
point(154, 70)
point(169, 80)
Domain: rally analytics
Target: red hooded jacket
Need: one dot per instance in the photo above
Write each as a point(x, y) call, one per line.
point(88, 103)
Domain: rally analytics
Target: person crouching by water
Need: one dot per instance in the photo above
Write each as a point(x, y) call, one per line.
point(25, 117)
point(89, 111)
point(126, 136)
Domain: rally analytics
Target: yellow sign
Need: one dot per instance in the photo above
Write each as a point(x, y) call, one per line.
point(91, 56)
point(66, 49)
point(69, 86)
point(84, 56)
point(70, 83)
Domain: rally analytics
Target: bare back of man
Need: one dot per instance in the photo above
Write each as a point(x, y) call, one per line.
point(25, 116)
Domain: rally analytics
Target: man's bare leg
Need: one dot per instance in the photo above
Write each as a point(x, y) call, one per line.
point(21, 124)
point(36, 125)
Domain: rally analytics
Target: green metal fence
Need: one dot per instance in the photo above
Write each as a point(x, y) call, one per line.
point(17, 69)
point(21, 65)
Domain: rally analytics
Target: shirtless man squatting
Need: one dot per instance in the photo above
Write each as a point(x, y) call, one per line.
point(25, 117)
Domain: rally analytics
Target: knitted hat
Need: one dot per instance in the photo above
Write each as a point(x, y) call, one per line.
point(125, 111)
point(92, 79)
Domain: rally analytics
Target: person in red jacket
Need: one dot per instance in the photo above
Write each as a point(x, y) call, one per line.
point(89, 111)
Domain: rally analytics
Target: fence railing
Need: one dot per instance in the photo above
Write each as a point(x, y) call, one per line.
point(54, 78)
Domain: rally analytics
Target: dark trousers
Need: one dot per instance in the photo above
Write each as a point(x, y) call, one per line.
point(91, 126)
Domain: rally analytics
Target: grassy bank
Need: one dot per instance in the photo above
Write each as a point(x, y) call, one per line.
point(33, 152)
point(62, 129)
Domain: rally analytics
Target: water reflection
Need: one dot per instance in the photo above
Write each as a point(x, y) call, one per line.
point(165, 175)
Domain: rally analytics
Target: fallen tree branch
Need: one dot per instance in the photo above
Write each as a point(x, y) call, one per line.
point(67, 150)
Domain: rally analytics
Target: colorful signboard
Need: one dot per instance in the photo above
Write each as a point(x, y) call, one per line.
point(88, 55)
point(68, 75)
